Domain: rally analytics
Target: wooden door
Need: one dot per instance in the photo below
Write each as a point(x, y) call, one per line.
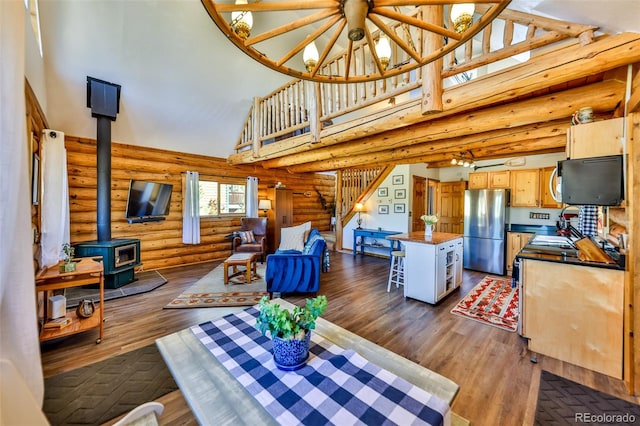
point(450, 206)
point(280, 216)
point(419, 203)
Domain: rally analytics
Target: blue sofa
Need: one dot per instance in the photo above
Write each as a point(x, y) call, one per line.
point(292, 271)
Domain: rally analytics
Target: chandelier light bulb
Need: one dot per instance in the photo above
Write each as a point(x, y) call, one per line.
point(454, 162)
point(465, 164)
point(310, 56)
point(462, 16)
point(383, 50)
point(242, 22)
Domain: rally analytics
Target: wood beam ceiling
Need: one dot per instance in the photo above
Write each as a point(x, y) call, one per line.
point(532, 119)
point(491, 116)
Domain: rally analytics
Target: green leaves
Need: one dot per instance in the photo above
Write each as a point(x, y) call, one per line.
point(289, 324)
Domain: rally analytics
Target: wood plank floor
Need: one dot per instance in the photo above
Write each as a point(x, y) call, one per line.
point(498, 382)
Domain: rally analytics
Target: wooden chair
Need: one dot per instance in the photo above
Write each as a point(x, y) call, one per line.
point(258, 225)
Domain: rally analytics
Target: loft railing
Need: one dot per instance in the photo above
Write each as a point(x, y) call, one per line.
point(301, 106)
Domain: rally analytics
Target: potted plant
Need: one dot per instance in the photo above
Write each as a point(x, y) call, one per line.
point(290, 330)
point(68, 265)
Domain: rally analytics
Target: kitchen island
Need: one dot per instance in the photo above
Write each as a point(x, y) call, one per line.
point(432, 265)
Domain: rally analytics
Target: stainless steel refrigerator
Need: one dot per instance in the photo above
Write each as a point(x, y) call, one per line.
point(486, 216)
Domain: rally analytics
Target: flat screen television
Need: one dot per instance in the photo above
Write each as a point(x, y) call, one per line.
point(148, 199)
point(592, 181)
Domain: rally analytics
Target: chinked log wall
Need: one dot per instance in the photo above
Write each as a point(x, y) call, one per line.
point(161, 242)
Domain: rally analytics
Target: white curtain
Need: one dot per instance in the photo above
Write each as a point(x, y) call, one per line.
point(55, 197)
point(191, 209)
point(252, 197)
point(18, 318)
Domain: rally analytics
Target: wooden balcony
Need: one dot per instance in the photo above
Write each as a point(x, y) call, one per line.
point(510, 91)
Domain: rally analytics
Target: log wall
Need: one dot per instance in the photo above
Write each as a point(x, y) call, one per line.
point(161, 242)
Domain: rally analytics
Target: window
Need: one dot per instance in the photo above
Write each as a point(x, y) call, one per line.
point(222, 197)
point(34, 17)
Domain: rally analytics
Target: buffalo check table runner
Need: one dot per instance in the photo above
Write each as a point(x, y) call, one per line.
point(337, 386)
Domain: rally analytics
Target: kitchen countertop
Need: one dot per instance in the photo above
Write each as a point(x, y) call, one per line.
point(418, 237)
point(618, 264)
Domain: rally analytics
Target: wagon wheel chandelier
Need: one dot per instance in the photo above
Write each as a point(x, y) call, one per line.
point(359, 40)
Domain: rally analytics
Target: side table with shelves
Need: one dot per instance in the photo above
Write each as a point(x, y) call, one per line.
point(374, 234)
point(89, 270)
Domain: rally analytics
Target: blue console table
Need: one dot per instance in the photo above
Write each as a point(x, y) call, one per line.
point(376, 234)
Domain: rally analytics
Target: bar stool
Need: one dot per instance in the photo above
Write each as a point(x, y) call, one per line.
point(396, 272)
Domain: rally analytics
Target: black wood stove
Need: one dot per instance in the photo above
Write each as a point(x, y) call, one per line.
point(120, 256)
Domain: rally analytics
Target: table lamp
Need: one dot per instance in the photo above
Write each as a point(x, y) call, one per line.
point(359, 208)
point(264, 205)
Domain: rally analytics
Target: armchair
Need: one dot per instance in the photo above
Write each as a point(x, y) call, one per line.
point(292, 271)
point(258, 226)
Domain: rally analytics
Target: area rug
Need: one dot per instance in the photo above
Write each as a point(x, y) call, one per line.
point(99, 392)
point(144, 282)
point(493, 302)
point(564, 402)
point(210, 291)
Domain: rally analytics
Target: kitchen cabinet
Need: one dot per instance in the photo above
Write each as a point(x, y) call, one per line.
point(515, 242)
point(525, 188)
point(574, 313)
point(432, 266)
point(479, 180)
point(499, 180)
point(530, 188)
point(489, 180)
point(595, 139)
point(546, 200)
point(280, 216)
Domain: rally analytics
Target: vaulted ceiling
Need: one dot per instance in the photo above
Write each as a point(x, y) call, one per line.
point(184, 86)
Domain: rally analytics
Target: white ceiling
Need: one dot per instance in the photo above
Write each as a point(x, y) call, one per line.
point(184, 86)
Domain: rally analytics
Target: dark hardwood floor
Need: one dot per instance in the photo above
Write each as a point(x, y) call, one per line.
point(498, 382)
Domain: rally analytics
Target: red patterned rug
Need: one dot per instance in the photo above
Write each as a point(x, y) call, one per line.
point(493, 302)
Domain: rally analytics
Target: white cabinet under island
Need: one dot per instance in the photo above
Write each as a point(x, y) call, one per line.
point(432, 265)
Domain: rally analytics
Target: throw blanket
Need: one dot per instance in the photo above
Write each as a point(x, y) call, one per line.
point(336, 386)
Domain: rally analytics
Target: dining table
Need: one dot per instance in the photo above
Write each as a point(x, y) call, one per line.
point(216, 397)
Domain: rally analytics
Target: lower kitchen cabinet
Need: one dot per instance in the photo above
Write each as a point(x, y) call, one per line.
point(515, 242)
point(574, 313)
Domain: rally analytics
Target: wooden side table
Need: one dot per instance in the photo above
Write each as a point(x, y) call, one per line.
point(89, 270)
point(248, 260)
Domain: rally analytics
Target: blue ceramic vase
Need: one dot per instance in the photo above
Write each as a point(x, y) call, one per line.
point(291, 354)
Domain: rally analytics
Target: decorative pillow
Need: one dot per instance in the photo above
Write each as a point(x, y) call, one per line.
point(293, 238)
point(247, 237)
point(312, 239)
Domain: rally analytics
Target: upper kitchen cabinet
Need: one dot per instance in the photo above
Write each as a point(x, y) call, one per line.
point(546, 199)
point(596, 139)
point(489, 180)
point(525, 188)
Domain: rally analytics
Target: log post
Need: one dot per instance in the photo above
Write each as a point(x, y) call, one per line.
point(255, 126)
point(432, 72)
point(338, 203)
point(314, 107)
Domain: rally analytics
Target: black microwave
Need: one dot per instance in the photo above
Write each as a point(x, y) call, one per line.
point(592, 181)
